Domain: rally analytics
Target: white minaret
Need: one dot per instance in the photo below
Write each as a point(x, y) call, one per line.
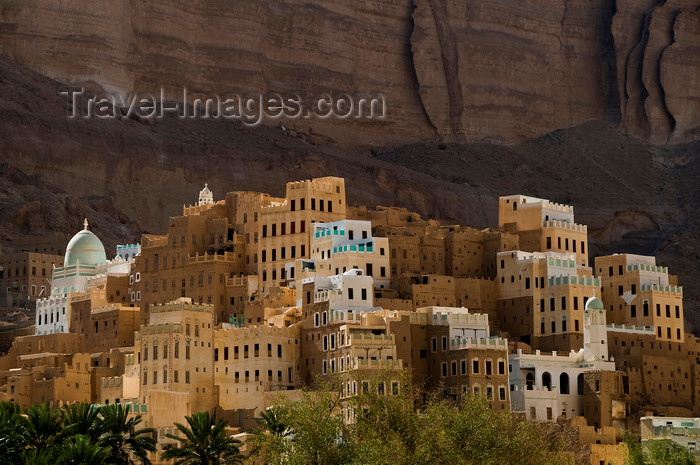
point(206, 196)
point(595, 332)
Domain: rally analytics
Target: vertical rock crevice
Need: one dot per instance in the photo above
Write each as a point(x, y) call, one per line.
point(450, 62)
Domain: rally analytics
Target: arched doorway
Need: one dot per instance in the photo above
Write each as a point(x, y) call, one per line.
point(564, 383)
point(547, 380)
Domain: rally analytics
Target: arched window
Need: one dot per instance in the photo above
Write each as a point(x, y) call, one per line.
point(177, 349)
point(547, 380)
point(564, 383)
point(155, 349)
point(529, 381)
point(165, 374)
point(165, 350)
point(145, 352)
point(580, 384)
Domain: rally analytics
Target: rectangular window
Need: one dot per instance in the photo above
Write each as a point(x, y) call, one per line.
point(302, 205)
point(475, 367)
point(488, 367)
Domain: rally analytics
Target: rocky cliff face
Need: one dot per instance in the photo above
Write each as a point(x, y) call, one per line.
point(129, 176)
point(658, 60)
point(503, 71)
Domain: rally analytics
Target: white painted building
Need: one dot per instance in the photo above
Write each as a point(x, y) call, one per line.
point(350, 291)
point(128, 251)
point(339, 246)
point(84, 263)
point(545, 386)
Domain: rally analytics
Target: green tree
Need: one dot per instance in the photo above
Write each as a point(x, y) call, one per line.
point(635, 453)
point(667, 452)
point(204, 442)
point(12, 425)
point(392, 424)
point(122, 438)
point(82, 450)
point(82, 419)
point(272, 436)
point(43, 430)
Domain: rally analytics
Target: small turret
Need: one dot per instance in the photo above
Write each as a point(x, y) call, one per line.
point(206, 196)
point(595, 333)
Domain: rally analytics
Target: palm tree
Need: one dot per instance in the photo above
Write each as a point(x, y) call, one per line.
point(12, 423)
point(121, 437)
point(43, 431)
point(270, 421)
point(205, 442)
point(271, 439)
point(81, 450)
point(82, 419)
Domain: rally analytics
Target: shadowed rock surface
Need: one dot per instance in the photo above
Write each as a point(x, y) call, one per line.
point(502, 71)
point(129, 176)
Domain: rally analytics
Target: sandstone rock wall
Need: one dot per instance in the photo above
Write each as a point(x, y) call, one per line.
point(484, 70)
point(658, 61)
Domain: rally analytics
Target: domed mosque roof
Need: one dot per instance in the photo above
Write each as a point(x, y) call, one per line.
point(85, 248)
point(594, 303)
